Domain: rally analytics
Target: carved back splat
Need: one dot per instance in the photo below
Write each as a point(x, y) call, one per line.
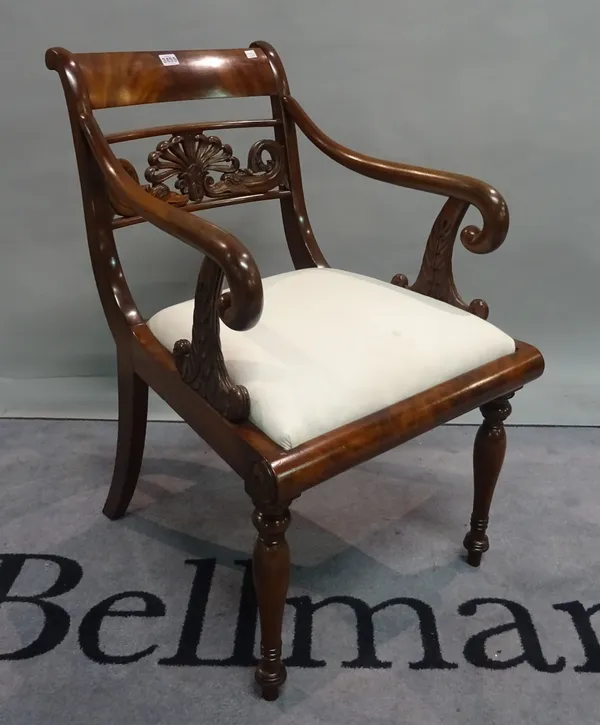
point(191, 157)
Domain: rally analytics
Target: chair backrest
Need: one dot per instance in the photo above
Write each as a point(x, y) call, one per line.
point(190, 167)
point(128, 79)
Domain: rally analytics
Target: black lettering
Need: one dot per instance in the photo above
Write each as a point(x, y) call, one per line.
point(432, 652)
point(56, 619)
point(191, 633)
point(194, 616)
point(587, 636)
point(245, 630)
point(365, 634)
point(89, 630)
point(475, 651)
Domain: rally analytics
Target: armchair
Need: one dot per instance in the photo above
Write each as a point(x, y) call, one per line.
point(297, 377)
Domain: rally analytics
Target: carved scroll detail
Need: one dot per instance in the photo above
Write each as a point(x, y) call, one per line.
point(200, 362)
point(435, 278)
point(192, 159)
point(160, 191)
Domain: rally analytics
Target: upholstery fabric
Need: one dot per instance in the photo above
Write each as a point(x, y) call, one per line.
point(334, 346)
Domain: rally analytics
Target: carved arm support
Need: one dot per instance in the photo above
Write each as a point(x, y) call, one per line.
point(199, 361)
point(435, 278)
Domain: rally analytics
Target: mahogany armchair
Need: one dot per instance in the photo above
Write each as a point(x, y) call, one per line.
point(297, 377)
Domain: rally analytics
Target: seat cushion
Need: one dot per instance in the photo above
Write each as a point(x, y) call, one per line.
point(334, 346)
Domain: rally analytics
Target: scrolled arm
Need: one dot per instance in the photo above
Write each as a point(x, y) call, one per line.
point(483, 197)
point(200, 361)
point(242, 307)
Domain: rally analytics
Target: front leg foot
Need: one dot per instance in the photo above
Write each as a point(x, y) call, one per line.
point(271, 567)
point(488, 457)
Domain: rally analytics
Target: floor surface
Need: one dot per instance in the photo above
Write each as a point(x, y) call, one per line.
point(150, 619)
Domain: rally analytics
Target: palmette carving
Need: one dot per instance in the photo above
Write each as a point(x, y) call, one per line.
point(200, 362)
point(192, 159)
point(435, 278)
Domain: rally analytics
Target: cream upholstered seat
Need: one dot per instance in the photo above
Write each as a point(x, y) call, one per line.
point(334, 346)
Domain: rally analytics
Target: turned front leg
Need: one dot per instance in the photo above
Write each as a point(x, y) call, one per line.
point(271, 567)
point(488, 457)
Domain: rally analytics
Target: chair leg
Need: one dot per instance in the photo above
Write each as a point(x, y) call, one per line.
point(133, 412)
point(271, 567)
point(488, 457)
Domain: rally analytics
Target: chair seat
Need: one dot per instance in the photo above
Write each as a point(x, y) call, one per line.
point(334, 346)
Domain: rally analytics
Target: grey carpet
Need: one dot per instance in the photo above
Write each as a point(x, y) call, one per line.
point(390, 529)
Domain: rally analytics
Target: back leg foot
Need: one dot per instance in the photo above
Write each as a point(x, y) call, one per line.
point(133, 413)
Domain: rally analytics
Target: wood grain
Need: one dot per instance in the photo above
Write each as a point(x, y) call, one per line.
point(129, 79)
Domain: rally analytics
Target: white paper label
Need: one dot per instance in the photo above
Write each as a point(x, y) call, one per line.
point(168, 59)
point(250, 54)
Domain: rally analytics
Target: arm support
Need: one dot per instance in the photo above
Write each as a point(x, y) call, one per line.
point(243, 277)
point(486, 199)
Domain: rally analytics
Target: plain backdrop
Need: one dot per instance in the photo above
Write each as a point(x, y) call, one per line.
point(507, 92)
